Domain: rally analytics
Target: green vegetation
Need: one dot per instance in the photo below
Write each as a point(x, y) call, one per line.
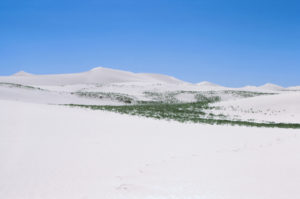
point(166, 105)
point(245, 94)
point(13, 85)
point(162, 97)
point(183, 112)
point(127, 99)
point(172, 97)
point(169, 97)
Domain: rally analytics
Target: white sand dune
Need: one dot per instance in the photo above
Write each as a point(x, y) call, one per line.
point(297, 88)
point(99, 75)
point(272, 87)
point(205, 85)
point(22, 73)
point(267, 88)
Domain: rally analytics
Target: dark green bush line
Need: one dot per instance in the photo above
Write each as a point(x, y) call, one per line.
point(246, 94)
point(19, 86)
point(127, 99)
point(185, 112)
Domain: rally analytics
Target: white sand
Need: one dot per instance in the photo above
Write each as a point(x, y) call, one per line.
point(49, 152)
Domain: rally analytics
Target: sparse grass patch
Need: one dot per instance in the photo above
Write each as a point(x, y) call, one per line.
point(109, 96)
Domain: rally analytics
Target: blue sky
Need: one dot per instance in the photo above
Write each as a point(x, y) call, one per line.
point(229, 42)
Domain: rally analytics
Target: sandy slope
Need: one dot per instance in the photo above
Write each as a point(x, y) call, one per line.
point(284, 107)
point(58, 152)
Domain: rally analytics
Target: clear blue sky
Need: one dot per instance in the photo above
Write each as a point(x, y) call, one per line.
point(229, 42)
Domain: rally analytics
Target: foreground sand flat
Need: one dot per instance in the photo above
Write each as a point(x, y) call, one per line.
point(49, 151)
